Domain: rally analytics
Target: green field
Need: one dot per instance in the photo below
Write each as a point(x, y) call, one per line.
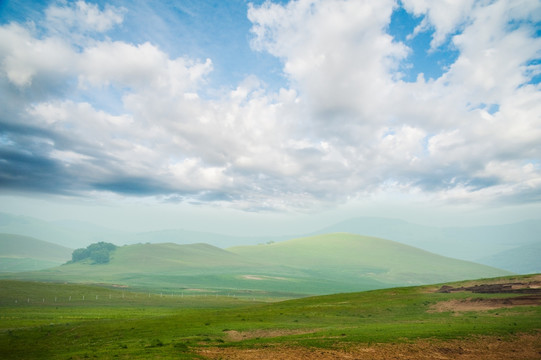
point(67, 321)
point(317, 265)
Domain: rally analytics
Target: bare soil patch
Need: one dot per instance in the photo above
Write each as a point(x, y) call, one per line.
point(485, 304)
point(531, 285)
point(233, 335)
point(523, 347)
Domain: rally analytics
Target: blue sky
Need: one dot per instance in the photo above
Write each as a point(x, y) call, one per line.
point(295, 111)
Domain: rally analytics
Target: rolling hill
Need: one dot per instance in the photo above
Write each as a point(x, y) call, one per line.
point(315, 265)
point(24, 253)
point(351, 256)
point(478, 243)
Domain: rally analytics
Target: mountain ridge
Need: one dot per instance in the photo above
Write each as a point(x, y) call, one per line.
point(24, 253)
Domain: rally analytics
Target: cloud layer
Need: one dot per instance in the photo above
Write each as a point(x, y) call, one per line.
point(85, 114)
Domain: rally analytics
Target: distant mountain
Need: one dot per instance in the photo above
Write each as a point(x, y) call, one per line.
point(314, 265)
point(79, 234)
point(68, 234)
point(524, 259)
point(467, 243)
point(23, 253)
point(181, 236)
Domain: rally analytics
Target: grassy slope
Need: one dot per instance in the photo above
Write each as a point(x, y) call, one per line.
point(23, 253)
point(353, 256)
point(154, 266)
point(138, 326)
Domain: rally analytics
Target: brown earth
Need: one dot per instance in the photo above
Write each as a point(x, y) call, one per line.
point(233, 335)
point(523, 347)
point(485, 304)
point(531, 285)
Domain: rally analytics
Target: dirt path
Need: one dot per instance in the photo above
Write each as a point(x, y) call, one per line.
point(523, 347)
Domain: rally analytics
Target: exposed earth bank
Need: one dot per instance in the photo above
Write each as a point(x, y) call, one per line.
point(523, 347)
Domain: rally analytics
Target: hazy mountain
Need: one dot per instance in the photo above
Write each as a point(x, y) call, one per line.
point(23, 253)
point(181, 236)
point(314, 265)
point(71, 234)
point(467, 243)
point(77, 234)
point(524, 259)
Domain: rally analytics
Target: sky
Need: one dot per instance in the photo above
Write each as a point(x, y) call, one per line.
point(270, 116)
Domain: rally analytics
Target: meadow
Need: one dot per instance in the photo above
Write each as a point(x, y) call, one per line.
point(73, 321)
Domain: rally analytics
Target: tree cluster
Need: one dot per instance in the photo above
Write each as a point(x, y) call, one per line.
point(99, 253)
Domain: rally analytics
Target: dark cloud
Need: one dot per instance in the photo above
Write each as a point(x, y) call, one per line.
point(139, 186)
point(25, 171)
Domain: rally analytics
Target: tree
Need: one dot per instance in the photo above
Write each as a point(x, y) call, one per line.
point(100, 256)
point(99, 253)
point(79, 254)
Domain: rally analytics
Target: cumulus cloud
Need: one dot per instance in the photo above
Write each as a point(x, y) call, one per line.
point(344, 126)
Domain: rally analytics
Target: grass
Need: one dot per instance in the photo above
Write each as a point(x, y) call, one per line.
point(130, 325)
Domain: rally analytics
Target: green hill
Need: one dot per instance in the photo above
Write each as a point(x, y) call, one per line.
point(315, 265)
point(350, 256)
point(23, 253)
point(159, 267)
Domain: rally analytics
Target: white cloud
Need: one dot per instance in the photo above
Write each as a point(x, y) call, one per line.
point(445, 16)
point(23, 56)
point(336, 52)
point(191, 174)
point(494, 53)
point(139, 67)
point(346, 125)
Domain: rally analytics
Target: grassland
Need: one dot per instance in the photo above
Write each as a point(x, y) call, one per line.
point(40, 321)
